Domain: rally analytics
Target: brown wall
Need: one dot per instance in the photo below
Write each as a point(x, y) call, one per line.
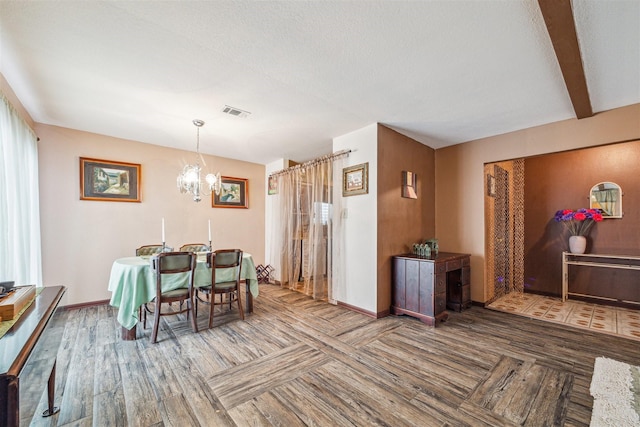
point(401, 221)
point(563, 181)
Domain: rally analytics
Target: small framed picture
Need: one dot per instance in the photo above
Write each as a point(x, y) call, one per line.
point(109, 181)
point(491, 185)
point(409, 185)
point(273, 185)
point(355, 180)
point(234, 194)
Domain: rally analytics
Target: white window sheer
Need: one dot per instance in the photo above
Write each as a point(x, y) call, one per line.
point(306, 236)
point(20, 253)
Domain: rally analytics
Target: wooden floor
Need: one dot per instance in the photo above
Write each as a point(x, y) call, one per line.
point(296, 362)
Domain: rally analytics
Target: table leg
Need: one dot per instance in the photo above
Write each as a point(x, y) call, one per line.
point(128, 334)
point(565, 277)
point(51, 391)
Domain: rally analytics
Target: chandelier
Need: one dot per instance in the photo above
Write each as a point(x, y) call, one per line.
point(189, 180)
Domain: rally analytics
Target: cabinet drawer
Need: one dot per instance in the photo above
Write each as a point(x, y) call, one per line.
point(454, 264)
point(466, 261)
point(441, 267)
point(441, 283)
point(440, 303)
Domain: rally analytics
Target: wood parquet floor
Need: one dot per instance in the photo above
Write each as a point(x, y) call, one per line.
point(300, 362)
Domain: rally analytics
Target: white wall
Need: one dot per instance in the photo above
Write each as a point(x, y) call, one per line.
point(360, 222)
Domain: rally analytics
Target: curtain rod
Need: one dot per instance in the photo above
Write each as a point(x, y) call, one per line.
point(328, 157)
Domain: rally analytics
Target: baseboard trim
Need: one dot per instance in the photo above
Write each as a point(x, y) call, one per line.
point(384, 313)
point(84, 305)
point(357, 309)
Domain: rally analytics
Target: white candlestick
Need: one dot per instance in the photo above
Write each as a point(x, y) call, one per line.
point(209, 230)
point(163, 231)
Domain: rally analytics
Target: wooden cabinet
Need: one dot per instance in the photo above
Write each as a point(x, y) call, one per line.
point(426, 287)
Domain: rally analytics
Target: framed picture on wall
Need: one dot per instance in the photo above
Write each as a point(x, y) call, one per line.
point(109, 180)
point(491, 185)
point(273, 185)
point(234, 194)
point(355, 180)
point(409, 185)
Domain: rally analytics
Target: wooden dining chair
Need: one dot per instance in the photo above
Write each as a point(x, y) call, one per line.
point(230, 288)
point(194, 247)
point(172, 263)
point(148, 250)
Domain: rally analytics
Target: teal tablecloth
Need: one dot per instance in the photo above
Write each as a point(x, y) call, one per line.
point(133, 283)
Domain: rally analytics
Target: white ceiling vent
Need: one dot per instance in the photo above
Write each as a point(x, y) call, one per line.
point(235, 111)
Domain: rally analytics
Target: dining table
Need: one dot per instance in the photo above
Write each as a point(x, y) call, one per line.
point(132, 283)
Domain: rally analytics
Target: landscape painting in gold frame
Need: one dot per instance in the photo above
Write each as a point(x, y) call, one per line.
point(109, 180)
point(234, 194)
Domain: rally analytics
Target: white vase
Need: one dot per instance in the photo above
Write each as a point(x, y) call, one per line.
point(577, 244)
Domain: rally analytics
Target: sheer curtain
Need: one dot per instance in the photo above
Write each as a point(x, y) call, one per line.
point(607, 200)
point(305, 234)
point(20, 257)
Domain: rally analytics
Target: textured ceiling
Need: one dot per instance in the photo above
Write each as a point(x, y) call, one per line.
point(442, 72)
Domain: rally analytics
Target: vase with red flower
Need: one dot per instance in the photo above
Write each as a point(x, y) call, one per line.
point(578, 222)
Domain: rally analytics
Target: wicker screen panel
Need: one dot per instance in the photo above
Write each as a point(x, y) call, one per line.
point(504, 222)
point(502, 234)
point(518, 225)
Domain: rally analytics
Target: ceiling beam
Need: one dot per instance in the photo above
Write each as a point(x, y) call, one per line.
point(558, 18)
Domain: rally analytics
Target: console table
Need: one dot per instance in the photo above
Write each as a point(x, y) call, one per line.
point(28, 360)
point(426, 287)
point(625, 262)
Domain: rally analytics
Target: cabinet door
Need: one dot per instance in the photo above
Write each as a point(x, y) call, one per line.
point(398, 287)
point(426, 288)
point(412, 285)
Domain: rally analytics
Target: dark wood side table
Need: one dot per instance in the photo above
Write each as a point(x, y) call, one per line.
point(425, 287)
point(28, 360)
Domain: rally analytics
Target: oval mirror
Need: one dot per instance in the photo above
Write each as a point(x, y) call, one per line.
point(607, 196)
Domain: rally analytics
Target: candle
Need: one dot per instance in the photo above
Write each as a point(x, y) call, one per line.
point(209, 230)
point(163, 231)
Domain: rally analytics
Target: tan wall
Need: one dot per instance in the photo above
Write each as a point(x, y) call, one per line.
point(80, 239)
point(460, 177)
point(401, 221)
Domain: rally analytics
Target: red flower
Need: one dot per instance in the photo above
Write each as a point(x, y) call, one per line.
point(579, 216)
point(579, 221)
